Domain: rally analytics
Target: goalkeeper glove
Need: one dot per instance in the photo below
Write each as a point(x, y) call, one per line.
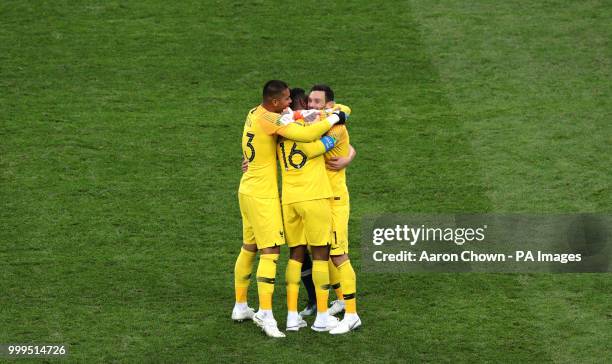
point(342, 117)
point(286, 116)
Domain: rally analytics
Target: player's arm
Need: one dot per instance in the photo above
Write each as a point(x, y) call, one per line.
point(245, 164)
point(286, 126)
point(317, 148)
point(338, 163)
point(301, 133)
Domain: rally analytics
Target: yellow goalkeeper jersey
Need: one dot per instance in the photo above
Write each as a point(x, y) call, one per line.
point(337, 179)
point(303, 171)
point(259, 138)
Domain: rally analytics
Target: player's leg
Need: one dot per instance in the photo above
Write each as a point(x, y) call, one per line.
point(335, 282)
point(320, 276)
point(317, 227)
point(244, 267)
point(348, 279)
point(267, 225)
point(311, 307)
point(266, 278)
point(242, 278)
point(351, 320)
point(292, 275)
point(294, 235)
point(339, 246)
point(336, 306)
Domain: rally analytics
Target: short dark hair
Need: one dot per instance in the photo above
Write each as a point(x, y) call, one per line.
point(329, 94)
point(273, 88)
point(299, 99)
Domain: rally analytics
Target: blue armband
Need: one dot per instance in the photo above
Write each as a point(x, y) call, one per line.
point(328, 142)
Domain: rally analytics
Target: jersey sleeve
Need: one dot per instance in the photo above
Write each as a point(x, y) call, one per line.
point(312, 149)
point(301, 133)
point(270, 123)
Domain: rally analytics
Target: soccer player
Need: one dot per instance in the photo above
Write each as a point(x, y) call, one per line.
point(259, 200)
point(333, 163)
point(342, 274)
point(299, 101)
point(306, 194)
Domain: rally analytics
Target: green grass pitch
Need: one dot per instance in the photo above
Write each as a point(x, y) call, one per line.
point(120, 125)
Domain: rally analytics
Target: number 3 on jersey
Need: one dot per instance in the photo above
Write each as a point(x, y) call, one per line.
point(294, 151)
point(250, 146)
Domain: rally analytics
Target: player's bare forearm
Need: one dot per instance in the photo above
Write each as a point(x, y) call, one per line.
point(339, 163)
point(245, 165)
point(352, 153)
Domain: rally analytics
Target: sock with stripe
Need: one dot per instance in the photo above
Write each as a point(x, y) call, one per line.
point(320, 276)
point(335, 280)
point(242, 275)
point(266, 276)
point(349, 283)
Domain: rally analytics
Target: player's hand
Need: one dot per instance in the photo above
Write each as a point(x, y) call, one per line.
point(342, 116)
point(337, 163)
point(307, 115)
point(286, 118)
point(245, 165)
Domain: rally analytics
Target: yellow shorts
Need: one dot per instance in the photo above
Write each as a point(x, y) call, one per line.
point(308, 223)
point(262, 222)
point(340, 207)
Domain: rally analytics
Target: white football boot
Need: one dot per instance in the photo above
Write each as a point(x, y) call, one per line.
point(242, 312)
point(336, 307)
point(267, 324)
point(324, 322)
point(295, 322)
point(349, 322)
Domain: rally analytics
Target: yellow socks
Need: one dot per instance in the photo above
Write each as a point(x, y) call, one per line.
point(242, 274)
point(266, 276)
point(334, 280)
point(320, 277)
point(292, 277)
point(349, 283)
